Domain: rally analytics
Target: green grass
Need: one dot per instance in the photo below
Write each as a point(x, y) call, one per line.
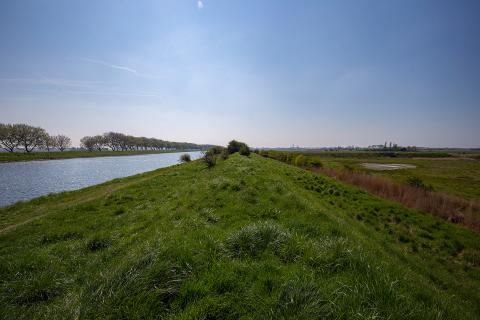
point(250, 238)
point(22, 156)
point(458, 176)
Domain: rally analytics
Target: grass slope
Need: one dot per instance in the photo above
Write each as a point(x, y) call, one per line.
point(22, 156)
point(251, 238)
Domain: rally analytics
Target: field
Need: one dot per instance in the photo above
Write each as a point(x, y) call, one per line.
point(455, 176)
point(250, 238)
point(22, 156)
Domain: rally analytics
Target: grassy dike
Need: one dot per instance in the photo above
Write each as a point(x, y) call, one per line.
point(250, 238)
point(22, 156)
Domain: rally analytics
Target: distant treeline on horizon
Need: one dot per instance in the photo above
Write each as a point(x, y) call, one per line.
point(15, 137)
point(116, 141)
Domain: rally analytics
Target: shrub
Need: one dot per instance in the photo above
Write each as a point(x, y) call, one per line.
point(315, 163)
point(185, 157)
point(224, 154)
point(217, 150)
point(244, 150)
point(416, 182)
point(299, 160)
point(237, 146)
point(209, 159)
point(234, 146)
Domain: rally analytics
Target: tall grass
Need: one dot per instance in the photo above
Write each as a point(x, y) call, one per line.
point(445, 206)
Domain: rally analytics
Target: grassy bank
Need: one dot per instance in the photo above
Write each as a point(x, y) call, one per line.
point(22, 156)
point(457, 176)
point(251, 237)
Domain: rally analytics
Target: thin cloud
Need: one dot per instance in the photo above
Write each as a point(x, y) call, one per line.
point(200, 4)
point(122, 68)
point(113, 66)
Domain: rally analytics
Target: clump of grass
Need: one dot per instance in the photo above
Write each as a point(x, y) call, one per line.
point(209, 216)
point(98, 244)
point(298, 300)
point(253, 239)
point(53, 238)
point(119, 211)
point(35, 287)
point(185, 158)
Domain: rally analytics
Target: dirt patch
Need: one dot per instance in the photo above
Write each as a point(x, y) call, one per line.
point(387, 166)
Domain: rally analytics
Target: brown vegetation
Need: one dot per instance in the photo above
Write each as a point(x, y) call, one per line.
point(445, 206)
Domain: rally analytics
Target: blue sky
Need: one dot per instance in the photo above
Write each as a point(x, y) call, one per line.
point(271, 73)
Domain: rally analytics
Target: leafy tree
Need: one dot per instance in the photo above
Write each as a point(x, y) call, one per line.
point(30, 137)
point(116, 141)
point(48, 142)
point(62, 142)
point(9, 139)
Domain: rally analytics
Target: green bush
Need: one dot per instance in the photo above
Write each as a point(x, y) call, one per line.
point(224, 155)
point(217, 150)
point(300, 160)
point(416, 182)
point(244, 150)
point(210, 159)
point(313, 162)
point(234, 146)
point(185, 158)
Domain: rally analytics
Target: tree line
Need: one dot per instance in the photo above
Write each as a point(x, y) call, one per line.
point(28, 138)
point(14, 137)
point(116, 141)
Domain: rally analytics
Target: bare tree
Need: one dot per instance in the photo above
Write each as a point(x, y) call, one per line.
point(93, 143)
point(9, 139)
point(30, 137)
point(88, 143)
point(48, 142)
point(62, 142)
point(111, 140)
point(116, 141)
